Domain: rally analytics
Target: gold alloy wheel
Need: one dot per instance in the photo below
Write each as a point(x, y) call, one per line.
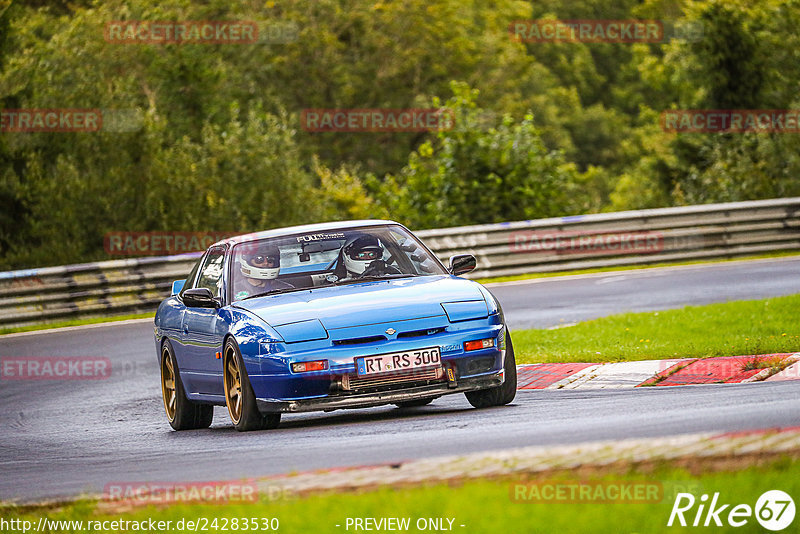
point(233, 386)
point(168, 391)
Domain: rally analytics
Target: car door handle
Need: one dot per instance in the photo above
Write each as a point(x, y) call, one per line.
point(185, 329)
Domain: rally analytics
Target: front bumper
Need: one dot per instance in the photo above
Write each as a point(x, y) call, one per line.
point(366, 400)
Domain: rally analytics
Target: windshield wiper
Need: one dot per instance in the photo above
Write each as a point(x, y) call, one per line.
point(372, 278)
point(276, 291)
point(342, 282)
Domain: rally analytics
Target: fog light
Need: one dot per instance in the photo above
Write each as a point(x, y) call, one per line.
point(478, 345)
point(304, 367)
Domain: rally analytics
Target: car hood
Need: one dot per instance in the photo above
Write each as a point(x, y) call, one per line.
point(365, 303)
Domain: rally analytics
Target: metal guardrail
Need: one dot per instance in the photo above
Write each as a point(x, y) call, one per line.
point(99, 289)
point(709, 231)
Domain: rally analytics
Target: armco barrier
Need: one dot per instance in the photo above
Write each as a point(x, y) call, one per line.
point(98, 289)
point(557, 244)
point(666, 234)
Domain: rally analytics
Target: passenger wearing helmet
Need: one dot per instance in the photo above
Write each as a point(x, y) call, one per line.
point(362, 256)
point(259, 271)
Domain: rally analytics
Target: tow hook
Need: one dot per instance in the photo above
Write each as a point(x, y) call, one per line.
point(452, 382)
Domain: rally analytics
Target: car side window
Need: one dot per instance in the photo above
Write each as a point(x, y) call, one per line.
point(211, 272)
point(189, 279)
point(408, 252)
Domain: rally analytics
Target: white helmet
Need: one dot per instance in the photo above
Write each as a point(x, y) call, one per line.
point(262, 265)
point(360, 251)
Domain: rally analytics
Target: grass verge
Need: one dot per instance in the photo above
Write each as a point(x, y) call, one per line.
point(496, 505)
point(726, 329)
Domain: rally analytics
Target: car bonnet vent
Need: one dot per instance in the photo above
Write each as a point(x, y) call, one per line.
point(421, 333)
point(359, 340)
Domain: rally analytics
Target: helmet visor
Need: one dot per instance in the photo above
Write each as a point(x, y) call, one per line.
point(270, 261)
point(366, 254)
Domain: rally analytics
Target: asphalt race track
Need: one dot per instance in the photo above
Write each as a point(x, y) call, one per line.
point(61, 438)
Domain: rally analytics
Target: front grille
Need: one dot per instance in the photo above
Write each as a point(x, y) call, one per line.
point(357, 383)
point(420, 333)
point(359, 340)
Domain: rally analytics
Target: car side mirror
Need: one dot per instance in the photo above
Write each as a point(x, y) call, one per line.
point(462, 263)
point(199, 297)
point(177, 285)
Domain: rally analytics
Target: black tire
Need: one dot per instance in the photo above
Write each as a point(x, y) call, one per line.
point(414, 403)
point(182, 413)
point(244, 415)
point(503, 394)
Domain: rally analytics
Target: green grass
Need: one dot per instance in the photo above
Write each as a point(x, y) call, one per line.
point(531, 276)
point(482, 506)
point(75, 322)
point(726, 329)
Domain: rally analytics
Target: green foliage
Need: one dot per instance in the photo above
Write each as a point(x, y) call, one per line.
point(242, 175)
point(210, 137)
point(342, 195)
point(470, 175)
point(743, 61)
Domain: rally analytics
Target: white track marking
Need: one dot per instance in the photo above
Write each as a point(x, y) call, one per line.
point(614, 375)
point(78, 328)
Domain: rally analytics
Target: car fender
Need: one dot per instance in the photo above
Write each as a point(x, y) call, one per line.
point(167, 322)
point(491, 302)
point(250, 331)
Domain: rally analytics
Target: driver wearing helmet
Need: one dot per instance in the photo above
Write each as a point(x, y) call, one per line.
point(259, 270)
point(362, 255)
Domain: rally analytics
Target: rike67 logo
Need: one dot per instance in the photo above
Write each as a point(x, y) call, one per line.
point(774, 510)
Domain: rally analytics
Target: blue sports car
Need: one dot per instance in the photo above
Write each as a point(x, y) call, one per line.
point(323, 317)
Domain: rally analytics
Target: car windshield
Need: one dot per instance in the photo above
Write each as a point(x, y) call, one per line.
point(315, 259)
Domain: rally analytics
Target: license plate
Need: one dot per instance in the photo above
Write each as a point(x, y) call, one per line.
point(398, 361)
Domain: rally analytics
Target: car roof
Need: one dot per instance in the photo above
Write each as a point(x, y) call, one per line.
point(320, 227)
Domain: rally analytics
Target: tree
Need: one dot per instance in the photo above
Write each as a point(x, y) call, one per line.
point(472, 176)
